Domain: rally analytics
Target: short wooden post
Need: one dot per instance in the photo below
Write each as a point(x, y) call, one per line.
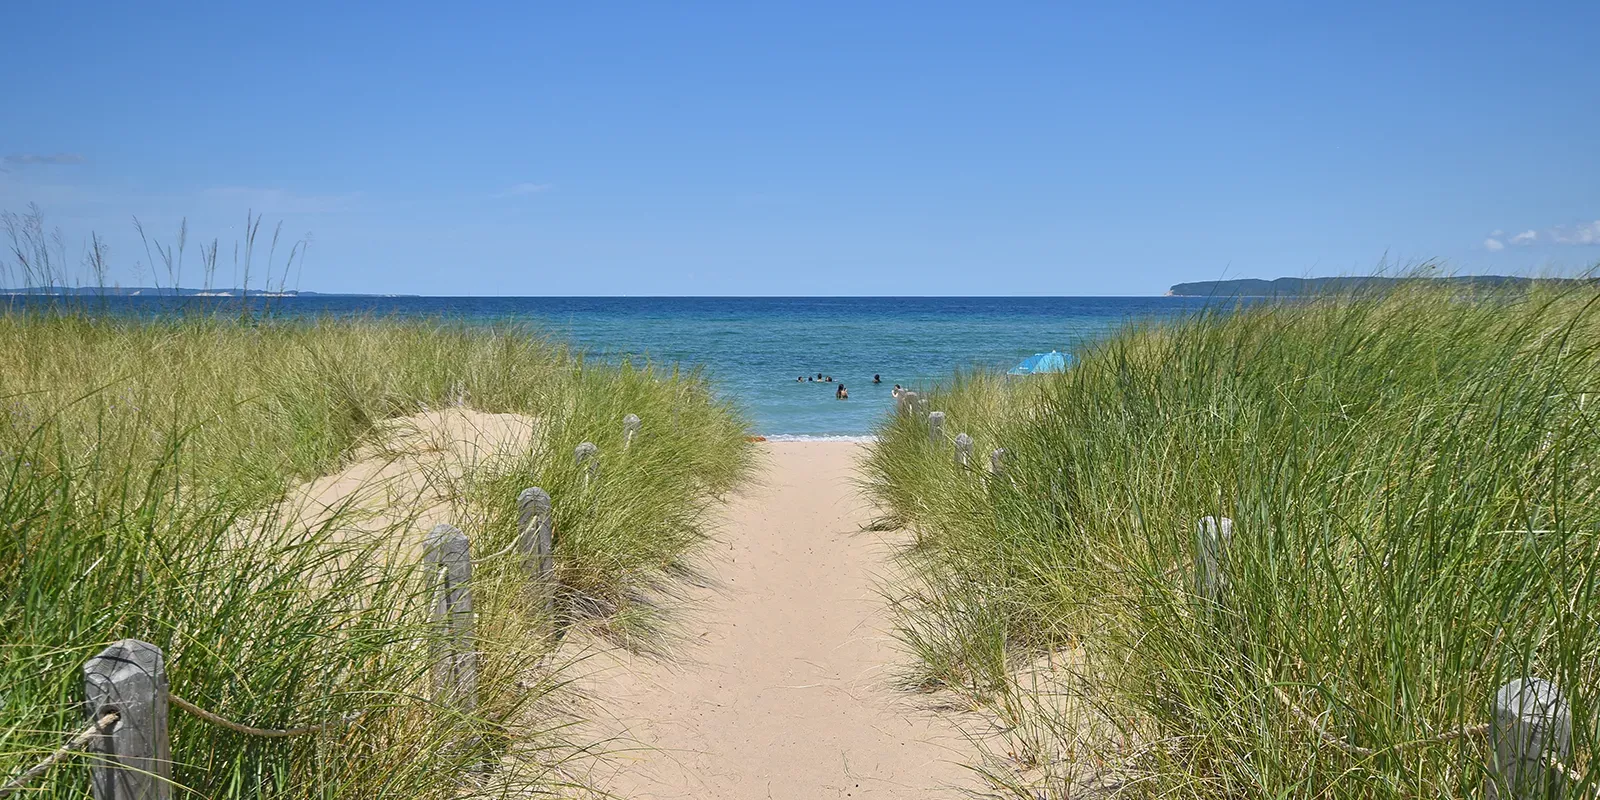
point(936, 427)
point(630, 429)
point(963, 450)
point(1212, 537)
point(907, 403)
point(997, 461)
point(447, 556)
point(1532, 725)
point(133, 760)
point(587, 455)
point(535, 541)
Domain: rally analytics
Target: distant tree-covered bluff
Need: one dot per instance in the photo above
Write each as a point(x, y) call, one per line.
point(1291, 287)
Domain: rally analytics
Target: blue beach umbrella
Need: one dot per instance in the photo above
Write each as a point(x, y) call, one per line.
point(1040, 363)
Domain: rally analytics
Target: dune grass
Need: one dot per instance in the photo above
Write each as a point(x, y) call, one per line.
point(142, 461)
point(1413, 483)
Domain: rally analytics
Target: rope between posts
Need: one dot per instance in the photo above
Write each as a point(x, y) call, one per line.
point(270, 733)
point(508, 548)
point(1338, 742)
point(101, 725)
point(73, 745)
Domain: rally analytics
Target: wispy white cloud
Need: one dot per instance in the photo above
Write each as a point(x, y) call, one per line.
point(1583, 233)
point(33, 159)
point(521, 189)
point(1586, 233)
point(281, 201)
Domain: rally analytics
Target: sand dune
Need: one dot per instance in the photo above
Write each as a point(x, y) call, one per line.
point(408, 475)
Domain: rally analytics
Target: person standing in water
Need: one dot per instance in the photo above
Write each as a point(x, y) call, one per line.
point(877, 378)
point(841, 394)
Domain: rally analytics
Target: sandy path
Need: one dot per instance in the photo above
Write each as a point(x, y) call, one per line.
point(784, 691)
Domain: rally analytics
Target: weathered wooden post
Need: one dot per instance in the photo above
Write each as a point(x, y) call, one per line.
point(586, 454)
point(936, 427)
point(630, 429)
point(963, 450)
point(134, 760)
point(997, 461)
point(908, 402)
point(447, 556)
point(1212, 537)
point(535, 541)
point(1532, 725)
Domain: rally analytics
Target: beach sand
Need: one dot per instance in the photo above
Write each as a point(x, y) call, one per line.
point(779, 682)
point(784, 688)
point(407, 476)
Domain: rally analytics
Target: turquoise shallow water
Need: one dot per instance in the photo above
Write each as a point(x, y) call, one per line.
point(753, 348)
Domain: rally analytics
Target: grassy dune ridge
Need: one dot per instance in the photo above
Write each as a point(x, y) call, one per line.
point(143, 463)
point(1413, 482)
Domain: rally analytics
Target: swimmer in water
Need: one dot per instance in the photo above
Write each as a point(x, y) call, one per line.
point(877, 379)
point(841, 393)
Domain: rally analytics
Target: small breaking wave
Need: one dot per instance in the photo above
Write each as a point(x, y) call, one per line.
point(806, 437)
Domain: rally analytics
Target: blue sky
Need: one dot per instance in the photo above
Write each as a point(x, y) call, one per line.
point(815, 148)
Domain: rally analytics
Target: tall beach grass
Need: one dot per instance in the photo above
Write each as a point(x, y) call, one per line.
point(141, 463)
point(1412, 479)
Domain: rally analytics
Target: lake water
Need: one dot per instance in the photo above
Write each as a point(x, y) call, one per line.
point(754, 348)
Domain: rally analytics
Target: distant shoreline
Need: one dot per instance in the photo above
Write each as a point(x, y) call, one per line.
point(158, 291)
point(1299, 287)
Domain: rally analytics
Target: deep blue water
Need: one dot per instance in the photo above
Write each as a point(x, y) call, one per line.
point(754, 348)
